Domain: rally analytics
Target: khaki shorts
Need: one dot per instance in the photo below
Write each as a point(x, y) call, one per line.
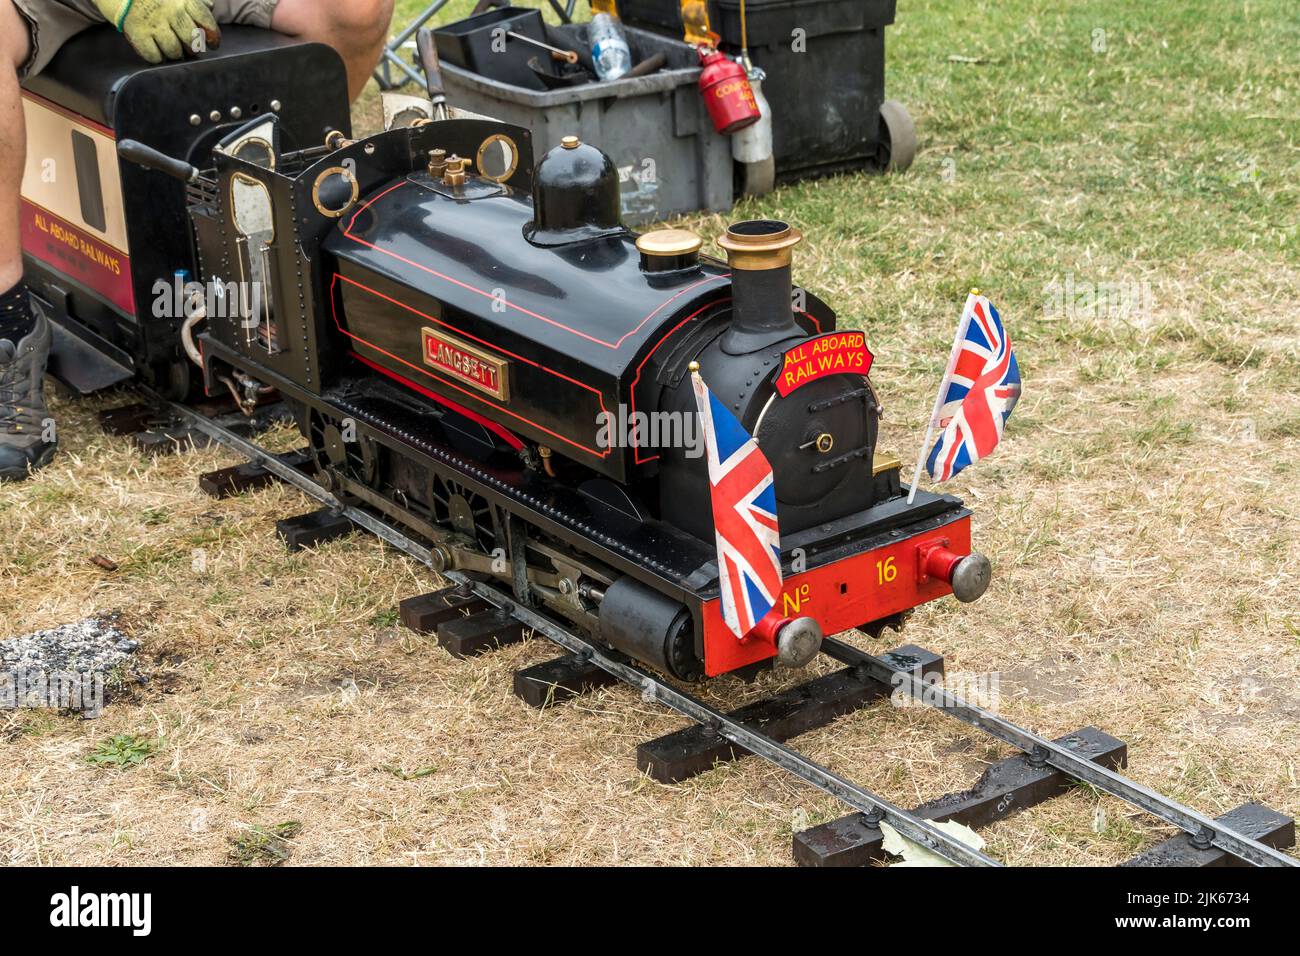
point(52, 23)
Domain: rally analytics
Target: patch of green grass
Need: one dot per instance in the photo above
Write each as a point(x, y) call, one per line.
point(388, 617)
point(156, 557)
point(1162, 430)
point(401, 774)
point(118, 677)
point(123, 750)
point(54, 495)
point(1201, 775)
point(36, 723)
point(1293, 627)
point(1228, 351)
point(1120, 830)
point(155, 516)
point(263, 846)
point(23, 562)
point(1244, 608)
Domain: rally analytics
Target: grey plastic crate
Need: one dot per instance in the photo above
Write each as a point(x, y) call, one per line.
point(653, 124)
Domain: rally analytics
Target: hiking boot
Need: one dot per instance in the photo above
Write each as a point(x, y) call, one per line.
point(24, 416)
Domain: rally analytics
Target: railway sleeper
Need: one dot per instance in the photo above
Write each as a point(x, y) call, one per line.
point(469, 635)
point(1250, 819)
point(313, 528)
point(169, 441)
point(155, 431)
point(693, 750)
point(1005, 788)
point(250, 476)
point(425, 612)
point(128, 419)
point(555, 681)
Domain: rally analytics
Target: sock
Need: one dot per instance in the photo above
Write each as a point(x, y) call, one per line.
point(16, 318)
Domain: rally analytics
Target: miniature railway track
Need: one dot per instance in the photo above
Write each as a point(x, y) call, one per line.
point(1203, 832)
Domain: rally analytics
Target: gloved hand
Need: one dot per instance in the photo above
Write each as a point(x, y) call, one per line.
point(162, 28)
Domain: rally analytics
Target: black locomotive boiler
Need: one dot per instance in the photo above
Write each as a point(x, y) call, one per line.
point(478, 348)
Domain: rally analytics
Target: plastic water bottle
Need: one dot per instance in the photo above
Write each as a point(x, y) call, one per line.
point(609, 49)
point(639, 195)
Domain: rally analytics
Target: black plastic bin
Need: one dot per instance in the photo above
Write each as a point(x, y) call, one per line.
point(825, 66)
point(469, 44)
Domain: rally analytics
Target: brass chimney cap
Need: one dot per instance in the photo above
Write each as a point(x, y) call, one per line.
point(669, 242)
point(570, 142)
point(759, 244)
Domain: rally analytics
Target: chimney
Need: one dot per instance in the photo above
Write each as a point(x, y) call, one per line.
point(759, 252)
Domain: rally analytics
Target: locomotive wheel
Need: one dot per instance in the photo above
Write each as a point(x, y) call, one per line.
point(897, 146)
point(318, 434)
point(172, 380)
point(682, 661)
point(357, 459)
point(455, 506)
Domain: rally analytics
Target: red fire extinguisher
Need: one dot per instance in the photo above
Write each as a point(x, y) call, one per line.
point(726, 92)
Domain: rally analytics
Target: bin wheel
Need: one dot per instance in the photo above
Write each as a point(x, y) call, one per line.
point(759, 178)
point(897, 137)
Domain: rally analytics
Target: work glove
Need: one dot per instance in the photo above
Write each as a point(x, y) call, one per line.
point(159, 29)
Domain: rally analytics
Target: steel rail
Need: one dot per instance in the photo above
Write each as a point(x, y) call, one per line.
point(290, 475)
point(1204, 831)
point(877, 808)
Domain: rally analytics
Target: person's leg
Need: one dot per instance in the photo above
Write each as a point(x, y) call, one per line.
point(15, 48)
point(358, 29)
point(26, 432)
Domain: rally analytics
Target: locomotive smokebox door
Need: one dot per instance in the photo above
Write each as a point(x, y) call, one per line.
point(804, 398)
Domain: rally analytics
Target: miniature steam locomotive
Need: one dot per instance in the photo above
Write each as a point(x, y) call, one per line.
point(475, 346)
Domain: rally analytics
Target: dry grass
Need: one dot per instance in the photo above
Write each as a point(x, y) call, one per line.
point(1141, 518)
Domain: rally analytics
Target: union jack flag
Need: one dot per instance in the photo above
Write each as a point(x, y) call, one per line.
point(744, 515)
point(982, 389)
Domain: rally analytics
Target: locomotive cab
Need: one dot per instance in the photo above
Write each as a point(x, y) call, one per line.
point(103, 239)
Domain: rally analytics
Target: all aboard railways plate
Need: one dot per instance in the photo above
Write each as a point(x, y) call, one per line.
point(835, 353)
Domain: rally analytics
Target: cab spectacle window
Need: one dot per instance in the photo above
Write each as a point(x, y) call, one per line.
point(90, 190)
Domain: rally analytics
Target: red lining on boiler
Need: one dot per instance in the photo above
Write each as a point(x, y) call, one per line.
point(347, 231)
point(442, 381)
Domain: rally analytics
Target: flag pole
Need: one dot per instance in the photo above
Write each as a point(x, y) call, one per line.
point(962, 326)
